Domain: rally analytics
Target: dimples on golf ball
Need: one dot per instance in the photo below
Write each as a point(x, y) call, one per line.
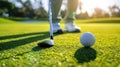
point(87, 39)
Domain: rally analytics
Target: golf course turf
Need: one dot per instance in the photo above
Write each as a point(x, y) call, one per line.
point(18, 45)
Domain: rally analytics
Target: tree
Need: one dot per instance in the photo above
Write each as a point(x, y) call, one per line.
point(27, 8)
point(41, 12)
point(115, 11)
point(106, 14)
point(6, 7)
point(83, 15)
point(17, 12)
point(98, 13)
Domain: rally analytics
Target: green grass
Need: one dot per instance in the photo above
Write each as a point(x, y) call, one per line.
point(6, 21)
point(23, 19)
point(18, 45)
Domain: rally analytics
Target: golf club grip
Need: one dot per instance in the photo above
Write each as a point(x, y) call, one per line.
point(50, 20)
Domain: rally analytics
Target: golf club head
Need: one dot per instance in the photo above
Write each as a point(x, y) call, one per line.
point(46, 43)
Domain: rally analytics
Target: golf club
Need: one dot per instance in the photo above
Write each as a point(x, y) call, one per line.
point(48, 43)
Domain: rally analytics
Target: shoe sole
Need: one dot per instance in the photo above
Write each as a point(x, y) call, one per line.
point(58, 32)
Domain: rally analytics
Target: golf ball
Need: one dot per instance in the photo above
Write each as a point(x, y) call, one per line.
point(87, 39)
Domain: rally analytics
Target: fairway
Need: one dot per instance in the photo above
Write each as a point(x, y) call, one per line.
point(18, 45)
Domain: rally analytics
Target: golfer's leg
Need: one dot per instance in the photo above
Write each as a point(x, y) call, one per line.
point(70, 16)
point(56, 5)
point(71, 9)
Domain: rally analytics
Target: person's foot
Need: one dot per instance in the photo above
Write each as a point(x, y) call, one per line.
point(71, 27)
point(57, 29)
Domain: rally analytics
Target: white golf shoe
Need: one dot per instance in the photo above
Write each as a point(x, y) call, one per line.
point(57, 29)
point(71, 27)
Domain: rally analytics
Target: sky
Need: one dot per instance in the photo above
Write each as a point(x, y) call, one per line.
point(87, 5)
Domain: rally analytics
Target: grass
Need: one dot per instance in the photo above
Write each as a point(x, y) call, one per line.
point(18, 45)
point(6, 21)
point(24, 19)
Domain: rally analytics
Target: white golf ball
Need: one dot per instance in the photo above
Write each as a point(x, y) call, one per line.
point(87, 39)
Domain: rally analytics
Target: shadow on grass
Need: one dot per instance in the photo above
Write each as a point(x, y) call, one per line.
point(20, 35)
point(16, 43)
point(36, 48)
point(85, 55)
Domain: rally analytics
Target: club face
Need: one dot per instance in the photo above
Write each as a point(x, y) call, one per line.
point(46, 43)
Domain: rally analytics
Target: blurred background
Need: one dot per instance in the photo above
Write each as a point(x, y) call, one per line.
point(37, 9)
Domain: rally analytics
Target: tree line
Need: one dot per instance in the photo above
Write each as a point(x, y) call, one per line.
point(100, 13)
point(28, 11)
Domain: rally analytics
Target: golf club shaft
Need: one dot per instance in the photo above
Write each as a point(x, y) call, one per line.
point(50, 19)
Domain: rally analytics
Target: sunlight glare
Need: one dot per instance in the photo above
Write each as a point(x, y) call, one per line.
point(89, 5)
